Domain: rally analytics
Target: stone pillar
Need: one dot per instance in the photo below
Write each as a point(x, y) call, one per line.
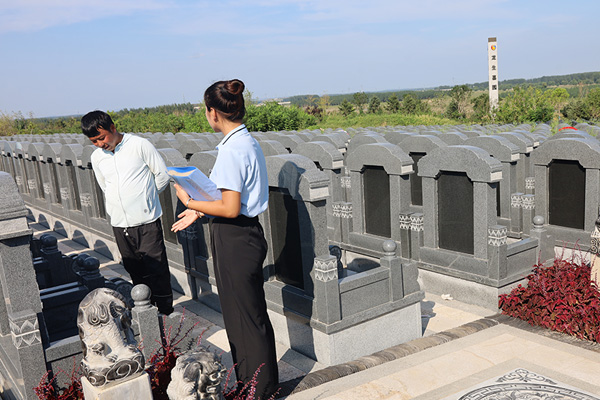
point(405, 235)
point(146, 317)
point(528, 212)
point(516, 213)
point(530, 185)
point(346, 187)
point(394, 263)
point(497, 252)
point(546, 240)
point(416, 235)
point(23, 362)
point(90, 274)
point(343, 212)
point(327, 289)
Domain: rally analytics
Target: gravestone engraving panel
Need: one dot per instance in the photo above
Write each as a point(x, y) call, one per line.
point(566, 194)
point(416, 182)
point(285, 229)
point(376, 185)
point(455, 199)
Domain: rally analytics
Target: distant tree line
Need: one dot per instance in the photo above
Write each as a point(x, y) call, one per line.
point(531, 101)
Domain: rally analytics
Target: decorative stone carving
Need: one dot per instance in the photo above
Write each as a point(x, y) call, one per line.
point(404, 221)
point(416, 222)
point(345, 182)
point(516, 200)
point(326, 270)
point(85, 199)
point(530, 183)
point(594, 250)
point(25, 331)
point(497, 235)
point(64, 193)
point(110, 354)
point(528, 202)
point(197, 375)
point(342, 210)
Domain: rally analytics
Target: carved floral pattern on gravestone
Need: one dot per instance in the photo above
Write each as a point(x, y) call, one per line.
point(197, 375)
point(110, 354)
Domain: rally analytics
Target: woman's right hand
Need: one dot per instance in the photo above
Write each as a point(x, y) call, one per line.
point(186, 218)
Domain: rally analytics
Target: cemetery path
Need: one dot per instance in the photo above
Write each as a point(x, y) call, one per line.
point(464, 353)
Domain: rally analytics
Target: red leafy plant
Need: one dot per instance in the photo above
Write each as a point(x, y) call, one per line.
point(48, 388)
point(561, 297)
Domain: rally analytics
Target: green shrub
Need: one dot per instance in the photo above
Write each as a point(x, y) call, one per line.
point(275, 117)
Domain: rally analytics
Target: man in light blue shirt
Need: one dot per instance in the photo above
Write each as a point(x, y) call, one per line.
point(132, 173)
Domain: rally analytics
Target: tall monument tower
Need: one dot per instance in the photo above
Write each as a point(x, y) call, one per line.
point(493, 72)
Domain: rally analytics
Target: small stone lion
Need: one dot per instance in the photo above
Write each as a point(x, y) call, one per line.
point(197, 375)
point(109, 348)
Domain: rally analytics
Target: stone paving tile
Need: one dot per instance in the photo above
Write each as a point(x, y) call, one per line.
point(465, 364)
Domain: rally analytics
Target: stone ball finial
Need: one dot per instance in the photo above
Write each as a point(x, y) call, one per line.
point(49, 242)
point(90, 264)
point(389, 247)
point(141, 295)
point(538, 221)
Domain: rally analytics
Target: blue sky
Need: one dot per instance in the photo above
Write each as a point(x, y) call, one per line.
point(62, 57)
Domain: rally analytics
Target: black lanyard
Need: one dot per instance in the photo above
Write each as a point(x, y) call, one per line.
point(238, 129)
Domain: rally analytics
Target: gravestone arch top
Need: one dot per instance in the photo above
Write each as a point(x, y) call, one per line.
point(477, 163)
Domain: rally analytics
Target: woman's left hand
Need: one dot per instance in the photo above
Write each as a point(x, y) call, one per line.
point(181, 194)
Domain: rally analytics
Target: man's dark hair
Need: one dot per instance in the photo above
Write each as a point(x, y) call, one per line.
point(94, 120)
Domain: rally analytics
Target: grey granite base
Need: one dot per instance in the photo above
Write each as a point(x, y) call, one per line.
point(351, 343)
point(463, 290)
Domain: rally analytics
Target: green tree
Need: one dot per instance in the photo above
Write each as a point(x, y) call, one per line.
point(457, 109)
point(8, 126)
point(374, 105)
point(410, 104)
point(360, 99)
point(525, 105)
point(557, 98)
point(392, 104)
point(346, 108)
point(481, 108)
point(593, 103)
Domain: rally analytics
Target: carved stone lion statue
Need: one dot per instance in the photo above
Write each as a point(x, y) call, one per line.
point(110, 354)
point(197, 375)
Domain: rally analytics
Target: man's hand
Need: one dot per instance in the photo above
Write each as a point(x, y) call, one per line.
point(186, 219)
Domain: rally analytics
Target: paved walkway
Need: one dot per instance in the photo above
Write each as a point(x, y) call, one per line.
point(465, 353)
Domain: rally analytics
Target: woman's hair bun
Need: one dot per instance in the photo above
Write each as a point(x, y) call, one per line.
point(227, 97)
point(235, 87)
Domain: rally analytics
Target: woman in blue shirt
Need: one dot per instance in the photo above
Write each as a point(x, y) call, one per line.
point(237, 238)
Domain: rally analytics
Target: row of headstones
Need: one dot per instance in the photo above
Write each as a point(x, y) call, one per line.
point(351, 165)
point(41, 291)
point(378, 206)
point(514, 196)
point(295, 227)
